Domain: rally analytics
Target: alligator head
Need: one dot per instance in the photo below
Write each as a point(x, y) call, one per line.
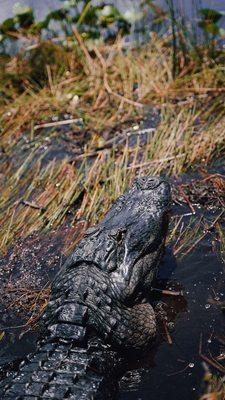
point(128, 242)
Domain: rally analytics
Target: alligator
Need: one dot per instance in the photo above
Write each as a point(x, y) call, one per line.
point(98, 308)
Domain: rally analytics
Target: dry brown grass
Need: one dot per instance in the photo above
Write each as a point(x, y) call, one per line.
point(110, 85)
point(215, 387)
point(54, 189)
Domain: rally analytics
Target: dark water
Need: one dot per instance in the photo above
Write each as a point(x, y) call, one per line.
point(176, 370)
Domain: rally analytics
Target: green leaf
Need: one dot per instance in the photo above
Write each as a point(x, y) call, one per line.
point(209, 27)
point(57, 15)
point(222, 32)
point(84, 12)
point(19, 8)
point(41, 25)
point(8, 25)
point(132, 16)
point(25, 19)
point(209, 14)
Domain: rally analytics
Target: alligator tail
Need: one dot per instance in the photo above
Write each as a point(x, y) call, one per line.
point(63, 371)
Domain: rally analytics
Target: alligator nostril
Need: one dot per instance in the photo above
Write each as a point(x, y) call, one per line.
point(148, 182)
point(152, 182)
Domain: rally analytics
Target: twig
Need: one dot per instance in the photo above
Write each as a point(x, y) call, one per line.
point(168, 292)
point(31, 204)
point(106, 83)
point(186, 198)
point(221, 357)
point(214, 360)
point(201, 90)
point(122, 137)
point(221, 202)
point(50, 80)
point(180, 371)
point(212, 176)
point(91, 154)
point(6, 236)
point(179, 236)
point(58, 123)
point(140, 132)
point(90, 62)
point(208, 360)
point(169, 339)
point(203, 235)
point(147, 163)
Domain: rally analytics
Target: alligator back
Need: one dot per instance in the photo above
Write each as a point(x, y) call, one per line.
point(70, 363)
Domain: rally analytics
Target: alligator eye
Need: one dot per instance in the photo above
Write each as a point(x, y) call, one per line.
point(120, 236)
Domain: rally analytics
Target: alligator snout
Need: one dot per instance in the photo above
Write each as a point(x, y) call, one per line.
point(150, 182)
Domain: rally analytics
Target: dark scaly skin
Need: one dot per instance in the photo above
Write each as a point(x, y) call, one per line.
point(100, 292)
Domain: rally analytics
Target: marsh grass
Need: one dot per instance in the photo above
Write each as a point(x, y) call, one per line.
point(185, 235)
point(104, 86)
point(215, 387)
point(112, 85)
point(221, 239)
point(32, 302)
point(54, 189)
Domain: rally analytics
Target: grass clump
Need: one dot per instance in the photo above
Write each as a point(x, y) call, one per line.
point(215, 387)
point(103, 87)
point(36, 198)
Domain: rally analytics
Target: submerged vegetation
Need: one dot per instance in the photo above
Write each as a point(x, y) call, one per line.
point(80, 117)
